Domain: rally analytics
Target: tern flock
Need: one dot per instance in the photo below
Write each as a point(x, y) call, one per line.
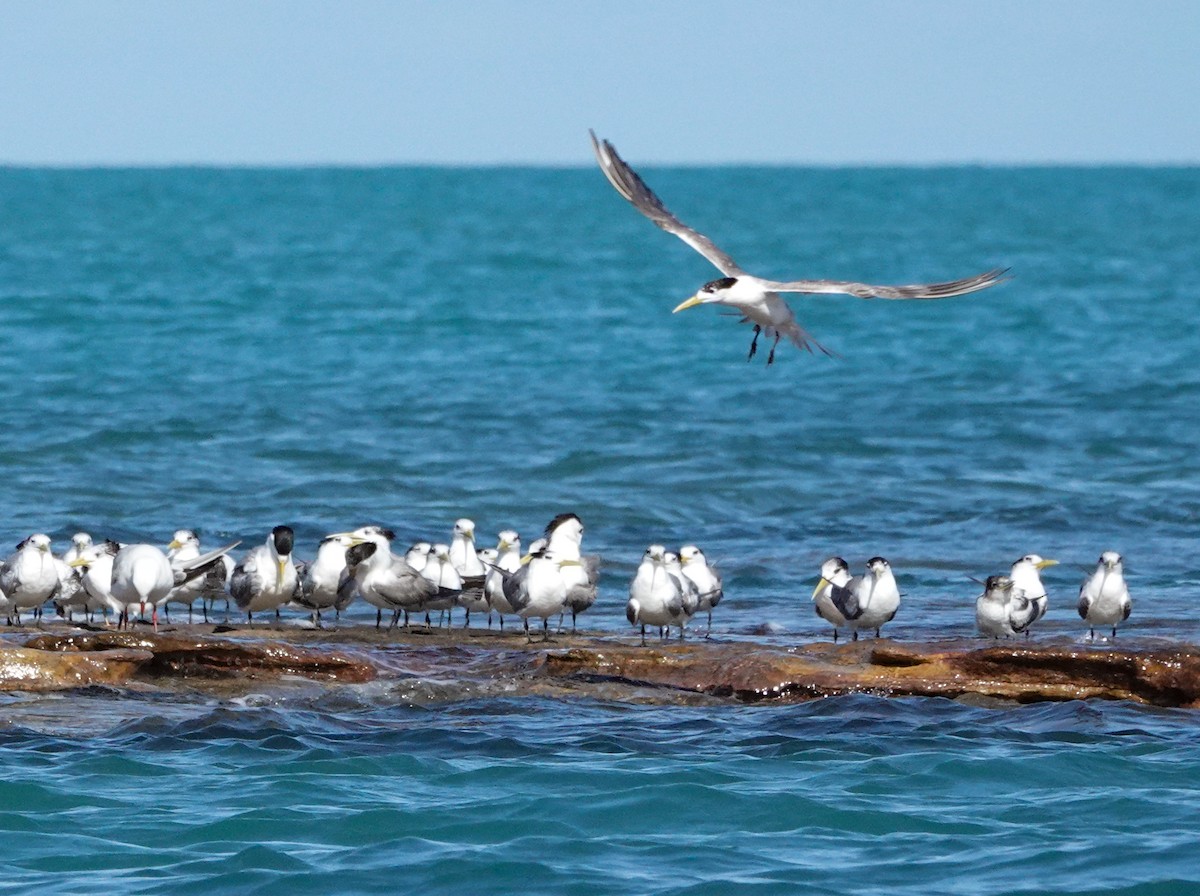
point(554, 577)
point(669, 588)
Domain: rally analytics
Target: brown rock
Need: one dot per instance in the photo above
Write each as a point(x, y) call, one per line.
point(25, 669)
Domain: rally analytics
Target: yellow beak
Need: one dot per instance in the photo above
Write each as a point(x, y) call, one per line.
point(78, 561)
point(282, 565)
point(174, 545)
point(1046, 563)
point(694, 300)
point(821, 584)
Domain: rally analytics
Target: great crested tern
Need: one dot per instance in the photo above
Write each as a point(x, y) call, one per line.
point(833, 598)
point(564, 537)
point(80, 542)
point(544, 590)
point(386, 581)
point(1003, 609)
point(508, 560)
point(30, 576)
point(322, 582)
point(470, 568)
point(688, 591)
point(464, 556)
point(655, 596)
point(96, 562)
point(1025, 575)
point(758, 301)
point(142, 575)
point(878, 597)
point(1104, 597)
point(441, 572)
point(265, 578)
point(182, 550)
point(706, 577)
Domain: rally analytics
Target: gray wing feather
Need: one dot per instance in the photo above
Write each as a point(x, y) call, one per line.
point(911, 291)
point(846, 601)
point(626, 182)
point(243, 585)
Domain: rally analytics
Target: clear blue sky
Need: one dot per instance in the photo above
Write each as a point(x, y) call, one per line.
point(690, 81)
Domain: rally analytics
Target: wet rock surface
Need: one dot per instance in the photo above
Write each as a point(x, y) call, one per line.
point(483, 662)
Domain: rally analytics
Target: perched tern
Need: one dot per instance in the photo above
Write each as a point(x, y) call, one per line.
point(30, 576)
point(471, 569)
point(80, 542)
point(689, 593)
point(564, 536)
point(183, 549)
point(706, 578)
point(655, 596)
point(1003, 609)
point(142, 575)
point(1025, 577)
point(441, 572)
point(878, 597)
point(833, 598)
point(1104, 597)
point(508, 560)
point(544, 591)
point(758, 301)
point(322, 582)
point(265, 578)
point(386, 581)
point(463, 555)
point(96, 562)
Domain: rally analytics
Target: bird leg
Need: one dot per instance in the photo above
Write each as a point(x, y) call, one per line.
point(771, 356)
point(528, 637)
point(754, 342)
point(643, 634)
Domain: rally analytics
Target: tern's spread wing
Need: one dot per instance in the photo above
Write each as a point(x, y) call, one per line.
point(626, 182)
point(913, 291)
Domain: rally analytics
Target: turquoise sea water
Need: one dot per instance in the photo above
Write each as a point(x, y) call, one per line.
point(228, 350)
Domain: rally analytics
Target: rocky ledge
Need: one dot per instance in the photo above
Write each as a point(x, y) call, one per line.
point(609, 667)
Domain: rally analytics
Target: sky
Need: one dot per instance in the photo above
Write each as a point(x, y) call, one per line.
point(679, 82)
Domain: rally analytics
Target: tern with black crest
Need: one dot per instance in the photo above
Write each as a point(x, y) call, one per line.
point(756, 300)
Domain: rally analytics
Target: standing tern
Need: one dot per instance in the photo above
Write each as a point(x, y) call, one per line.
point(265, 579)
point(655, 596)
point(833, 598)
point(1025, 576)
point(707, 578)
point(758, 301)
point(877, 595)
point(564, 537)
point(31, 575)
point(1003, 609)
point(386, 581)
point(508, 560)
point(322, 581)
point(1104, 597)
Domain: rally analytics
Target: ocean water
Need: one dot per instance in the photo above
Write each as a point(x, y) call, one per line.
point(231, 349)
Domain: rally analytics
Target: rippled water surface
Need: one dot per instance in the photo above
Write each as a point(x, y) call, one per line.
point(229, 350)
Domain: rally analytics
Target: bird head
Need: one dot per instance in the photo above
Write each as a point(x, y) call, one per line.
point(998, 586)
point(834, 571)
point(878, 566)
point(465, 528)
point(712, 291)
